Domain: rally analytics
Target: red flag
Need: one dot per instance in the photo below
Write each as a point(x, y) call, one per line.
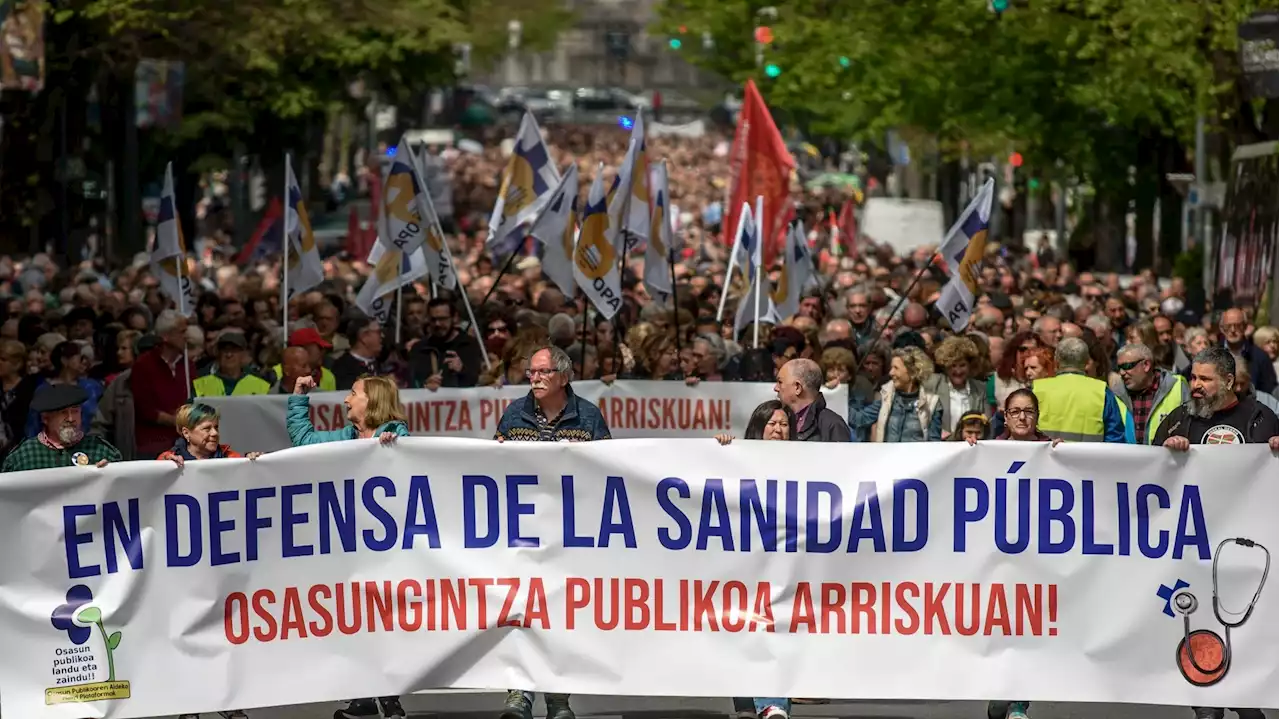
point(274, 212)
point(847, 226)
point(761, 166)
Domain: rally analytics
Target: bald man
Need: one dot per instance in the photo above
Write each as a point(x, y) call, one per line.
point(294, 363)
point(799, 387)
point(914, 316)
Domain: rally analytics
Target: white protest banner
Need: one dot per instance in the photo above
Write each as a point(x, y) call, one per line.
point(633, 410)
point(637, 567)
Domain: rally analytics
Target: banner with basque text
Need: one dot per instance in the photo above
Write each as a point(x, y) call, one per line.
point(639, 567)
point(633, 409)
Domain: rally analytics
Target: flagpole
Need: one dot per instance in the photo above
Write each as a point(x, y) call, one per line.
point(466, 302)
point(759, 262)
point(897, 306)
point(675, 304)
point(182, 292)
point(586, 320)
point(624, 221)
point(728, 273)
point(399, 302)
point(506, 267)
point(286, 245)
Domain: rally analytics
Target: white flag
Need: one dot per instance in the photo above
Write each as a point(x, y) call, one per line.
point(963, 247)
point(757, 304)
point(797, 272)
point(628, 197)
point(555, 228)
point(391, 271)
point(169, 256)
point(662, 251)
point(526, 185)
point(411, 220)
point(303, 264)
point(595, 258)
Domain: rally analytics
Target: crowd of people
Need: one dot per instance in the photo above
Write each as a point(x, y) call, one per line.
point(97, 366)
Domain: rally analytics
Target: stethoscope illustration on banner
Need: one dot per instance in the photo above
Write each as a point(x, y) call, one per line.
point(1203, 656)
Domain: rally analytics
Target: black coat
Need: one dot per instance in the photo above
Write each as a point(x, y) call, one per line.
point(823, 425)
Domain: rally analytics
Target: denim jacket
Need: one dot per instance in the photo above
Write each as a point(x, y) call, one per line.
point(581, 421)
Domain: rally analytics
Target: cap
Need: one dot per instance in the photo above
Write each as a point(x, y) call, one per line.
point(53, 397)
point(235, 339)
point(308, 336)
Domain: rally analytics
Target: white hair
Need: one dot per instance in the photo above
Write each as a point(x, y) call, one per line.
point(166, 322)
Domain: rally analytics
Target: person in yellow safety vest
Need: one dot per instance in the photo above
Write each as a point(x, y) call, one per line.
point(1074, 406)
point(316, 346)
point(1149, 393)
point(229, 377)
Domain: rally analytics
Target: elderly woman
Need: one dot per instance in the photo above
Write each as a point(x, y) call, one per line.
point(958, 390)
point(904, 411)
point(373, 410)
point(1267, 338)
point(197, 426)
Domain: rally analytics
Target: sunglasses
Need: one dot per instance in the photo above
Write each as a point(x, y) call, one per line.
point(1127, 366)
point(497, 329)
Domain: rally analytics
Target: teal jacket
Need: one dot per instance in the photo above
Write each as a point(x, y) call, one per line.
point(297, 420)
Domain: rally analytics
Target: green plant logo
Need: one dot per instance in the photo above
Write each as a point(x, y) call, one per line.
point(77, 667)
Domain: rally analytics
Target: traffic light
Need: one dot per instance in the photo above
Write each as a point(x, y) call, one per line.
point(997, 6)
point(844, 61)
point(1015, 159)
point(1033, 183)
point(674, 43)
point(764, 35)
point(772, 70)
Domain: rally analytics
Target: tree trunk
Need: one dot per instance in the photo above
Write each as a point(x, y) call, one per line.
point(1146, 189)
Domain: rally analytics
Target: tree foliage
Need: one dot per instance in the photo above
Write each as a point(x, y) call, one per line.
point(287, 60)
point(1057, 79)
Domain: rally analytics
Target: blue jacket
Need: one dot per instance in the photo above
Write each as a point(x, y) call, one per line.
point(1114, 427)
point(581, 421)
point(297, 420)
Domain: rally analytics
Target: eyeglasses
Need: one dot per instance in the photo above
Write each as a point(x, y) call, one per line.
point(531, 374)
point(1235, 326)
point(498, 329)
point(1020, 413)
point(1127, 366)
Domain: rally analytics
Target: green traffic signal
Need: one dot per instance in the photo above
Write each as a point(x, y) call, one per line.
point(998, 6)
point(844, 61)
point(675, 43)
point(772, 70)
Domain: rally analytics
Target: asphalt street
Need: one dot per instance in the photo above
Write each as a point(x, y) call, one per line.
point(485, 705)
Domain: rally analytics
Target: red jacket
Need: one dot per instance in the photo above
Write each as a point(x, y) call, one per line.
point(157, 387)
point(224, 450)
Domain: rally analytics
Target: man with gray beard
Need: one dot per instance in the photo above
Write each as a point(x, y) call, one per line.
point(61, 441)
point(1215, 414)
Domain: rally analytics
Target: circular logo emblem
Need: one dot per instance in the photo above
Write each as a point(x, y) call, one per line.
point(595, 255)
point(80, 459)
point(1222, 434)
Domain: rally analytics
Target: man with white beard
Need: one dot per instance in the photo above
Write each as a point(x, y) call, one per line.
point(551, 412)
point(1215, 414)
point(61, 441)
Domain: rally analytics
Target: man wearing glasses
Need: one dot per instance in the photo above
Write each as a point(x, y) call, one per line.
point(1150, 394)
point(551, 412)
